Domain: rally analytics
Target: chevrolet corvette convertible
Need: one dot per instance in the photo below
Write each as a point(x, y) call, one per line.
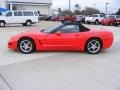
point(62, 37)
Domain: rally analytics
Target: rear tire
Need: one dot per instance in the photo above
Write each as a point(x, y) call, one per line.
point(93, 46)
point(28, 23)
point(96, 22)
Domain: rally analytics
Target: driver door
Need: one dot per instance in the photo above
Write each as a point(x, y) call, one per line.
point(9, 17)
point(65, 38)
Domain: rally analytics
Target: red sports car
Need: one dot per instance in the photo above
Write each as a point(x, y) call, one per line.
point(66, 36)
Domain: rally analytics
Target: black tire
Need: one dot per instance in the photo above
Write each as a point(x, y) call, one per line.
point(24, 24)
point(95, 48)
point(115, 24)
point(96, 22)
point(23, 47)
point(2, 24)
point(28, 23)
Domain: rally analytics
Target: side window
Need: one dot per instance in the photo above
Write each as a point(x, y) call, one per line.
point(70, 29)
point(27, 13)
point(36, 14)
point(18, 14)
point(95, 15)
point(9, 14)
point(118, 16)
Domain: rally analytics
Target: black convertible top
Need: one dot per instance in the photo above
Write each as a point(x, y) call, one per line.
point(82, 27)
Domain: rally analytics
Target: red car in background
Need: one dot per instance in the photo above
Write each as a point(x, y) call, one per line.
point(64, 18)
point(70, 18)
point(55, 18)
point(111, 20)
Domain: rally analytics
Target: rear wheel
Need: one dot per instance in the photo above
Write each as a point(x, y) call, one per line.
point(2, 24)
point(96, 22)
point(26, 46)
point(93, 46)
point(28, 23)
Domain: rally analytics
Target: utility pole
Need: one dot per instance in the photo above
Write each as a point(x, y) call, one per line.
point(106, 7)
point(69, 6)
point(94, 7)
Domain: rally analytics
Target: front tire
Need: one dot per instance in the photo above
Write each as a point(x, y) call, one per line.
point(2, 24)
point(93, 46)
point(26, 46)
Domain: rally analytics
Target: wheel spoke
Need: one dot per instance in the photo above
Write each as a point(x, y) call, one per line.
point(26, 46)
point(93, 46)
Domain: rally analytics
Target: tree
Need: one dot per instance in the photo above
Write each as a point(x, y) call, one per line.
point(59, 10)
point(89, 11)
point(67, 12)
point(77, 9)
point(118, 12)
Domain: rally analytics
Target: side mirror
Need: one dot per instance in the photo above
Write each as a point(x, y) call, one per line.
point(58, 33)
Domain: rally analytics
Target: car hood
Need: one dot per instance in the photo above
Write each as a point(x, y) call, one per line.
point(29, 33)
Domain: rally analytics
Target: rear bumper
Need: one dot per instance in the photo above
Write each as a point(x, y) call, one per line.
point(107, 43)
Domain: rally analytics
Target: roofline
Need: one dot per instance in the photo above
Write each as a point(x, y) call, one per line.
point(14, 2)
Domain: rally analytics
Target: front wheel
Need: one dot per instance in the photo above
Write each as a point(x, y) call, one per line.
point(26, 46)
point(2, 24)
point(93, 46)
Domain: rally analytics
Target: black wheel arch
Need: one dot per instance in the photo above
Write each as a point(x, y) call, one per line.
point(28, 20)
point(2, 21)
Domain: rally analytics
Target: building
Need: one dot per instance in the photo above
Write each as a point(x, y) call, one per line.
point(42, 6)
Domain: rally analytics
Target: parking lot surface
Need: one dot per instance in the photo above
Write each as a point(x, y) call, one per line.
point(59, 70)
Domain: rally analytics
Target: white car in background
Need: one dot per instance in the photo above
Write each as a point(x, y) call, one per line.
point(26, 18)
point(94, 18)
point(80, 18)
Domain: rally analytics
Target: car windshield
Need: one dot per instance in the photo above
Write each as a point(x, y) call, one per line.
point(50, 29)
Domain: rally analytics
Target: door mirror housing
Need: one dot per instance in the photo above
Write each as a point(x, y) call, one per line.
point(58, 33)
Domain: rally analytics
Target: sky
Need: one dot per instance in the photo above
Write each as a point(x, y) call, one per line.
point(113, 6)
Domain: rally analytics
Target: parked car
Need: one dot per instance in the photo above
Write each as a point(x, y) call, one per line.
point(95, 18)
point(70, 18)
point(43, 17)
point(67, 18)
point(111, 20)
point(66, 36)
point(116, 22)
point(48, 18)
point(26, 18)
point(55, 18)
point(80, 18)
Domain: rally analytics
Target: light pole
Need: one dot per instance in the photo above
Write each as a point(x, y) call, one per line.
point(69, 5)
point(94, 7)
point(107, 7)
